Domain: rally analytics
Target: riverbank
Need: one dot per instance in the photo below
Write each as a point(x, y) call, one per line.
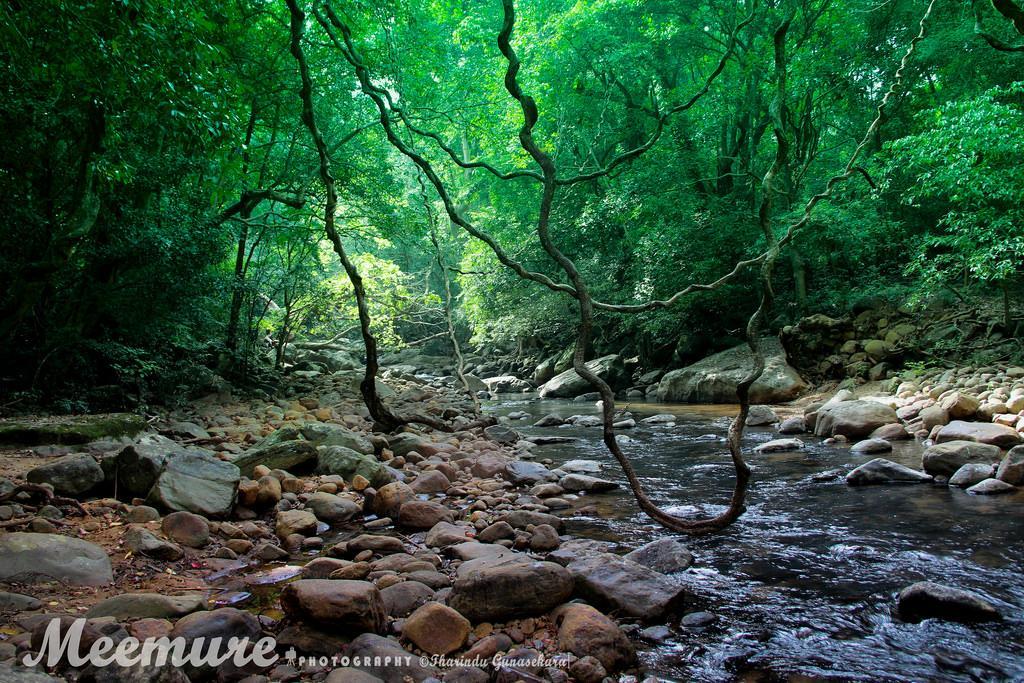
point(478, 529)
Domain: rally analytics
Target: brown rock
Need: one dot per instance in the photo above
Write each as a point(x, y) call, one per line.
point(436, 629)
point(347, 606)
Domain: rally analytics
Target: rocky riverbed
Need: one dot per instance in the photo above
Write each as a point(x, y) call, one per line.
point(293, 518)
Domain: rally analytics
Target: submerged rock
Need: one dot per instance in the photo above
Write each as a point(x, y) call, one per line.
point(991, 487)
point(779, 446)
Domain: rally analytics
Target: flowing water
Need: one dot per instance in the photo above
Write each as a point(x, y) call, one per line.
point(804, 584)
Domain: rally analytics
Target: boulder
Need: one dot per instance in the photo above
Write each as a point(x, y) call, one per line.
point(665, 556)
point(933, 416)
point(148, 606)
point(276, 454)
point(1011, 468)
point(715, 378)
point(290, 522)
point(779, 446)
point(501, 588)
point(331, 508)
point(348, 463)
point(501, 434)
point(582, 482)
point(423, 514)
point(196, 482)
point(225, 623)
point(390, 498)
point(853, 419)
point(960, 406)
point(892, 432)
point(793, 425)
point(871, 446)
point(882, 471)
point(520, 519)
point(436, 629)
point(387, 660)
point(970, 474)
point(583, 631)
point(927, 600)
point(431, 481)
point(76, 429)
point(507, 384)
point(444, 534)
point(982, 432)
point(614, 582)
point(524, 472)
point(186, 528)
point(760, 416)
point(329, 434)
point(143, 542)
point(991, 487)
point(402, 598)
point(568, 384)
point(402, 444)
point(550, 420)
point(29, 558)
point(71, 475)
point(134, 469)
point(944, 459)
point(343, 606)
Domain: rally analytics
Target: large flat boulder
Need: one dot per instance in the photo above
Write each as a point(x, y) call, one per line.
point(715, 378)
point(501, 588)
point(568, 384)
point(981, 432)
point(196, 482)
point(28, 558)
point(614, 582)
point(283, 455)
point(944, 459)
point(853, 419)
point(75, 429)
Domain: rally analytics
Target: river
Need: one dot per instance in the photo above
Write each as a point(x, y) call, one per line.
point(804, 584)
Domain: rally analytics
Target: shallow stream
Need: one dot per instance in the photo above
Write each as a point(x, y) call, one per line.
point(804, 585)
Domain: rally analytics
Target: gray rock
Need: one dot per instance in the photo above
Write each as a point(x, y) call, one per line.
point(28, 557)
point(991, 487)
point(882, 471)
point(927, 600)
point(582, 482)
point(148, 605)
point(853, 419)
point(16, 602)
point(946, 458)
point(501, 434)
point(871, 446)
point(779, 446)
point(347, 463)
point(196, 482)
point(551, 420)
point(387, 660)
point(501, 588)
point(520, 519)
point(71, 475)
point(328, 434)
point(331, 508)
point(793, 425)
point(569, 384)
point(581, 466)
point(698, 620)
point(982, 432)
point(276, 454)
point(970, 474)
point(761, 415)
point(715, 378)
point(614, 582)
point(401, 599)
point(142, 541)
point(186, 430)
point(1011, 468)
point(665, 555)
point(524, 472)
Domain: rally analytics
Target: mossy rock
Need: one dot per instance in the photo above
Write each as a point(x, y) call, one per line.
point(75, 429)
